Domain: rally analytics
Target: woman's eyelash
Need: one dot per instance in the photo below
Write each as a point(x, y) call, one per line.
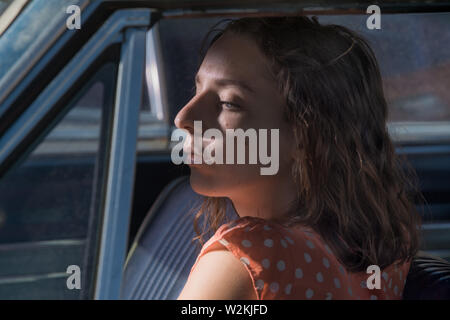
point(230, 105)
point(227, 104)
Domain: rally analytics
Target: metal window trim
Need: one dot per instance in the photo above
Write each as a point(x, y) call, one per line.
point(155, 76)
point(11, 13)
point(108, 34)
point(121, 167)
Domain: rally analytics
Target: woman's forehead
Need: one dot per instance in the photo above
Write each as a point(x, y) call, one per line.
point(238, 57)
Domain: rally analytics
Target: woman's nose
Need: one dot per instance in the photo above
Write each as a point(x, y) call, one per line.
point(188, 114)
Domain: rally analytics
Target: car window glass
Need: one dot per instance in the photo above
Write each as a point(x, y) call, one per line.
point(29, 32)
point(50, 201)
point(413, 51)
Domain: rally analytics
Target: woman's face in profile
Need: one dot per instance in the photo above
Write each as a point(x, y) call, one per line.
point(234, 90)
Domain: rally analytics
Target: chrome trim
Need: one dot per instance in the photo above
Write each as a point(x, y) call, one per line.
point(32, 278)
point(121, 167)
point(437, 226)
point(419, 131)
point(44, 243)
point(154, 75)
point(11, 12)
point(108, 34)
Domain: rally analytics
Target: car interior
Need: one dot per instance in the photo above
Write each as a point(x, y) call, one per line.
point(52, 185)
point(151, 274)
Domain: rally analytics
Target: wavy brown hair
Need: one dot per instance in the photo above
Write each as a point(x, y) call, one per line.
point(352, 187)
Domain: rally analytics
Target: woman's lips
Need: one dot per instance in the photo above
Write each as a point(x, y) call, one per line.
point(193, 156)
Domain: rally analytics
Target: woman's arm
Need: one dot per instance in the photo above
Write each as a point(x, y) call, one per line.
point(219, 275)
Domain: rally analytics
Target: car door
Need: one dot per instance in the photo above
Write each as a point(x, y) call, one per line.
point(414, 67)
point(68, 137)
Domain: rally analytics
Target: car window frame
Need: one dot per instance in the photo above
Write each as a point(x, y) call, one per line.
point(128, 28)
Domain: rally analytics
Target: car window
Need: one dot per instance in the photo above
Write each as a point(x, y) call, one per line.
point(413, 51)
point(50, 201)
point(29, 34)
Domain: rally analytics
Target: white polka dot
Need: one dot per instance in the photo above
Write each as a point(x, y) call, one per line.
point(384, 289)
point(319, 277)
point(401, 275)
point(350, 292)
point(385, 276)
point(245, 261)
point(341, 269)
point(288, 288)
point(289, 240)
point(298, 273)
point(337, 283)
point(281, 265)
point(246, 243)
point(268, 243)
point(309, 293)
point(259, 284)
point(326, 263)
point(373, 297)
point(266, 263)
point(283, 243)
point(267, 228)
point(307, 257)
point(363, 284)
point(329, 296)
point(274, 286)
point(396, 290)
point(390, 283)
point(224, 242)
point(310, 244)
point(328, 249)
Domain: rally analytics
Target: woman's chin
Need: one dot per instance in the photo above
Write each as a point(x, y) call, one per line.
point(202, 184)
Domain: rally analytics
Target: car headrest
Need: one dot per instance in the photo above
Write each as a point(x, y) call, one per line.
point(162, 253)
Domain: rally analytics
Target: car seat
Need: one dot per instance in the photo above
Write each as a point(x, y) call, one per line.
point(162, 254)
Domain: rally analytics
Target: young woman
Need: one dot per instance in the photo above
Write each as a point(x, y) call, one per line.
point(339, 201)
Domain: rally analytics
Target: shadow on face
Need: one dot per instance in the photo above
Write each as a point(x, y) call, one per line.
point(234, 90)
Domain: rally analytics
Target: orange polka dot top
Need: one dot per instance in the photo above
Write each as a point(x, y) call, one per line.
point(294, 263)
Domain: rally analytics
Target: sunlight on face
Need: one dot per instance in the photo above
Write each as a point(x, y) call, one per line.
point(234, 90)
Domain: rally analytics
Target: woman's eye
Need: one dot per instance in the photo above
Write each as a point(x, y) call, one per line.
point(230, 105)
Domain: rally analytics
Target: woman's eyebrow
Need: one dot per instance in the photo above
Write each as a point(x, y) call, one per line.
point(229, 82)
